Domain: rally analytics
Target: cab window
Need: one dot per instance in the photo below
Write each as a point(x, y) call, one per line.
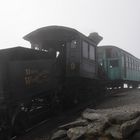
point(85, 49)
point(91, 52)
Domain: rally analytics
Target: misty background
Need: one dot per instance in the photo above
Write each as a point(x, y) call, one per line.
point(117, 21)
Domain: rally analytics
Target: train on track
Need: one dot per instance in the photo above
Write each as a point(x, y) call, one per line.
point(62, 68)
point(121, 68)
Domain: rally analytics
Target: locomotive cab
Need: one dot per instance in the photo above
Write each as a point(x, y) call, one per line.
point(75, 56)
point(76, 51)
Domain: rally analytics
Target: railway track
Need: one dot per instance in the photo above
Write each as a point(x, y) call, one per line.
point(115, 92)
point(45, 127)
point(32, 128)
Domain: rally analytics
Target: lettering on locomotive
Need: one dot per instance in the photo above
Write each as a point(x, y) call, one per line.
point(33, 77)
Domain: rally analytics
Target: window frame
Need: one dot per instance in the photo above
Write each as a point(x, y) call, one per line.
point(114, 63)
point(88, 55)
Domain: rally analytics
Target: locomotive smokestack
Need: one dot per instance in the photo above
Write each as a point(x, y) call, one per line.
point(95, 37)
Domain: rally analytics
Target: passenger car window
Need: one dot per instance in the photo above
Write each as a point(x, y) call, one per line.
point(123, 57)
point(85, 49)
point(91, 52)
point(114, 63)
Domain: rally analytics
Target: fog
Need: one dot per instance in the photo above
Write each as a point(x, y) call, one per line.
point(117, 21)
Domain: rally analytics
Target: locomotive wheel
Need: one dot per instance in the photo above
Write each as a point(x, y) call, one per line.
point(21, 123)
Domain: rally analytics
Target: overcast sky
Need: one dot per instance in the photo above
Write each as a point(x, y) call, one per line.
point(118, 21)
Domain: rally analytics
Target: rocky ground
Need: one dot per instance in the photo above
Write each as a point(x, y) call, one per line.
point(125, 98)
point(117, 118)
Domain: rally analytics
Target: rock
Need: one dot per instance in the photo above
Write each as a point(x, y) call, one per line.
point(116, 115)
point(74, 124)
point(114, 131)
point(97, 128)
point(75, 133)
point(104, 138)
point(89, 137)
point(120, 117)
point(89, 110)
point(135, 136)
point(103, 124)
point(59, 135)
point(92, 116)
point(129, 127)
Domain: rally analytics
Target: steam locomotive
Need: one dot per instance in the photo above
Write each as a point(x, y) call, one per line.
point(60, 69)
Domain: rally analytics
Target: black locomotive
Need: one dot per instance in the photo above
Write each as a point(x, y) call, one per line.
point(60, 69)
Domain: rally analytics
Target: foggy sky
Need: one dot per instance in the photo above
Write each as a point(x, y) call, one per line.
point(117, 21)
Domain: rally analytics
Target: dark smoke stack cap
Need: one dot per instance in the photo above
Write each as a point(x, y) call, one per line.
point(95, 37)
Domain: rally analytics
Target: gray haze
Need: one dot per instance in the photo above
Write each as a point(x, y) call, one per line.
point(118, 21)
